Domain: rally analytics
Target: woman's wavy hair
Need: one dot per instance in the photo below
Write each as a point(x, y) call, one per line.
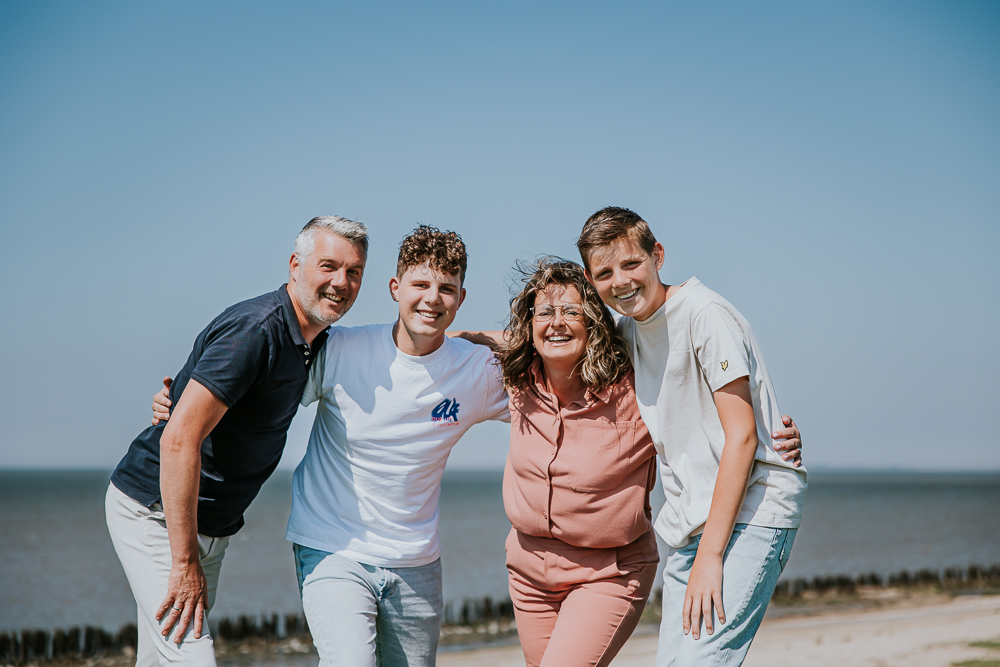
point(605, 360)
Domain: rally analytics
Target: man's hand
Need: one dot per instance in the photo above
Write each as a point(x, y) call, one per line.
point(703, 590)
point(187, 597)
point(161, 403)
point(791, 441)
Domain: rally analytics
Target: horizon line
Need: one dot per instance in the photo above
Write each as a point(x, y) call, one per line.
point(819, 468)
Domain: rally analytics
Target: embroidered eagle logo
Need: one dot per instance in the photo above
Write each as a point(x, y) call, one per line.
point(725, 364)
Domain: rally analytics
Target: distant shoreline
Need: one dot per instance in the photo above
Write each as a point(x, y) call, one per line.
point(814, 470)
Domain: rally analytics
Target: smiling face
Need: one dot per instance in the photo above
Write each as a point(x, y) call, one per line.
point(326, 283)
point(626, 277)
point(560, 342)
point(428, 301)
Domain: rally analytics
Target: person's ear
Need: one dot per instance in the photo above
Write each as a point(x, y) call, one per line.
point(658, 255)
point(394, 288)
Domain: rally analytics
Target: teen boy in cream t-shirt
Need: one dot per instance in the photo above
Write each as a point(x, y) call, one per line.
point(709, 345)
point(733, 503)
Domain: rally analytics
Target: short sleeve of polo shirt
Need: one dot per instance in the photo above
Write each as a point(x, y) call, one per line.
point(720, 346)
point(236, 353)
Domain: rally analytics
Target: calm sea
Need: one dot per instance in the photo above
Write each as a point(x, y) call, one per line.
point(58, 568)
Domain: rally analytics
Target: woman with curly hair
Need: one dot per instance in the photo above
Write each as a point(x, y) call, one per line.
point(582, 555)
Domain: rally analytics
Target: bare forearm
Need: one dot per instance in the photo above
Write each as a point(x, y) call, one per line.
point(198, 411)
point(180, 468)
point(730, 489)
point(495, 340)
point(704, 589)
point(735, 405)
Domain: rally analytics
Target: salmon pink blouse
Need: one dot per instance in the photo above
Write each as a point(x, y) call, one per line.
point(580, 473)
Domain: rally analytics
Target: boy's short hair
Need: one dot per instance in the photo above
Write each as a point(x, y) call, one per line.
point(443, 251)
point(611, 224)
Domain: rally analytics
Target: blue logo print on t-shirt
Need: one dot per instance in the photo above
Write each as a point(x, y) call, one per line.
point(445, 413)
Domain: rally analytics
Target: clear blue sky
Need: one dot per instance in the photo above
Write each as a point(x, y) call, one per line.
point(831, 168)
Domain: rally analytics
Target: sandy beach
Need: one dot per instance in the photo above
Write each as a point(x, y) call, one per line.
point(933, 633)
point(928, 629)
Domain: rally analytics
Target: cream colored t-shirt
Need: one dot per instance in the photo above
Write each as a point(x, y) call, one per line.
point(696, 343)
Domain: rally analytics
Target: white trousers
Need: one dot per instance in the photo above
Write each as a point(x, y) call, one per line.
point(140, 538)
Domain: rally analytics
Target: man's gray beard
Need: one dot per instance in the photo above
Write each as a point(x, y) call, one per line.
point(310, 304)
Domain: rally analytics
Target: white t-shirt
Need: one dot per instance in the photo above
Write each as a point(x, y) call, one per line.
point(692, 346)
point(369, 484)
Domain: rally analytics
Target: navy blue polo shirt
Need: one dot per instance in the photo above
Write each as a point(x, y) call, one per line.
point(254, 358)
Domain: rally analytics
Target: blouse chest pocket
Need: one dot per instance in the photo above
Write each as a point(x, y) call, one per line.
point(599, 455)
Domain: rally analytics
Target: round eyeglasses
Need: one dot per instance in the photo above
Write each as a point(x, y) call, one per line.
point(570, 312)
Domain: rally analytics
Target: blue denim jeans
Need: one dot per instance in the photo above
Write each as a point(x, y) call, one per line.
point(754, 559)
point(368, 616)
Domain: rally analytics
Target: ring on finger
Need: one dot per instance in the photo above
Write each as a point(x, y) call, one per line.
point(178, 608)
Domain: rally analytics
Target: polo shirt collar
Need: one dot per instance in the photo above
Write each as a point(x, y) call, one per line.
point(292, 321)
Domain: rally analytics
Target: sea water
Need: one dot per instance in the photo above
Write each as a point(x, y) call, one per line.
point(58, 568)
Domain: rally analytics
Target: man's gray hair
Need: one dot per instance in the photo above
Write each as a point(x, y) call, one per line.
point(351, 230)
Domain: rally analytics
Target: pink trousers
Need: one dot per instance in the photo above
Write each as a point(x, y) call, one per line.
point(575, 605)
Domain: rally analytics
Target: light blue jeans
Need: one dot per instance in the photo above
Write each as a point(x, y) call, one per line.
point(755, 557)
point(368, 616)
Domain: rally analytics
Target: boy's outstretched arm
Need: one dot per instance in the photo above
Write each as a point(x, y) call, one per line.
point(492, 339)
point(704, 587)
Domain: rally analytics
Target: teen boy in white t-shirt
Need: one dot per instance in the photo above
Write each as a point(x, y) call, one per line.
point(733, 502)
point(394, 399)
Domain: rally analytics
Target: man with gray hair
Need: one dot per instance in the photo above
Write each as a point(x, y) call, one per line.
point(180, 491)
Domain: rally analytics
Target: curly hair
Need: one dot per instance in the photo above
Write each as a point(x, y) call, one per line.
point(605, 360)
point(443, 251)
